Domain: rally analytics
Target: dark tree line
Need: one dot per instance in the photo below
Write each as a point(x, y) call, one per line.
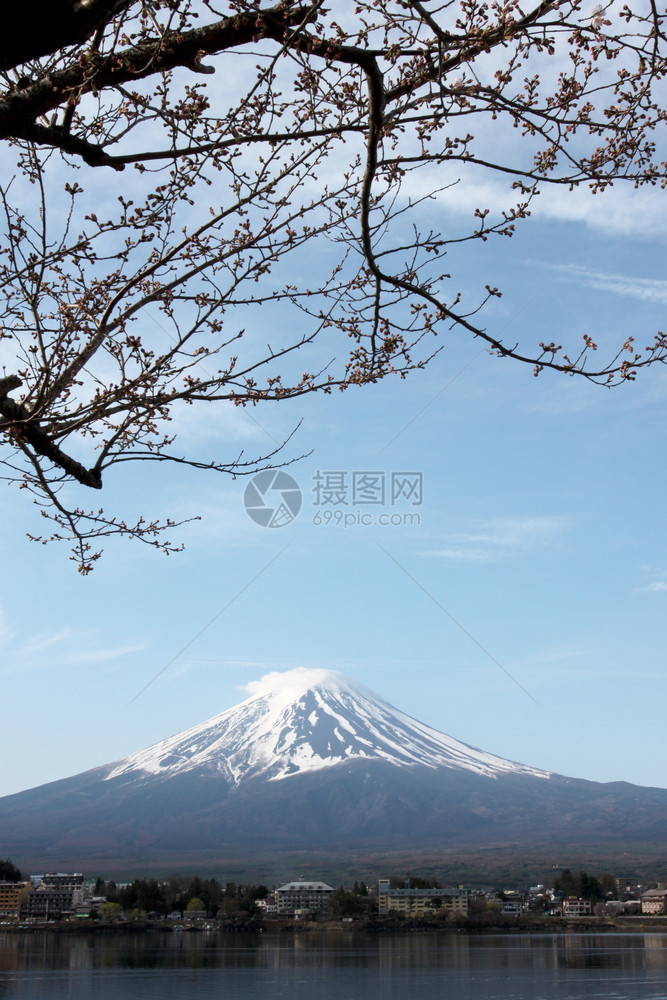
point(9, 872)
point(585, 886)
point(179, 891)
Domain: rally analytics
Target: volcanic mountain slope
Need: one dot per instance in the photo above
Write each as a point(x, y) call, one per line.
point(303, 721)
point(313, 760)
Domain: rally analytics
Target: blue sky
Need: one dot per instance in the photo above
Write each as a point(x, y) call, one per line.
point(523, 614)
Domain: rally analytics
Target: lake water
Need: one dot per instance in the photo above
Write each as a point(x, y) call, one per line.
point(333, 966)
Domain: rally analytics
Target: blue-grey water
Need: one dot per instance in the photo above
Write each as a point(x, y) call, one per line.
point(333, 966)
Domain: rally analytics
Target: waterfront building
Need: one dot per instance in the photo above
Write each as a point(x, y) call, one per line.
point(304, 896)
point(655, 901)
point(420, 902)
point(12, 894)
point(576, 907)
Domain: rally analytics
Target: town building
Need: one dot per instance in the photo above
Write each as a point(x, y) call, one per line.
point(420, 902)
point(54, 895)
point(576, 907)
point(62, 880)
point(654, 901)
point(306, 897)
point(47, 904)
point(12, 894)
point(628, 887)
point(66, 882)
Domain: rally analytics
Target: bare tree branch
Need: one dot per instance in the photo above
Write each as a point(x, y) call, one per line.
point(41, 27)
point(155, 214)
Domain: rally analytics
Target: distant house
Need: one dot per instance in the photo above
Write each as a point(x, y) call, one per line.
point(53, 896)
point(268, 906)
point(47, 904)
point(654, 901)
point(420, 902)
point(303, 896)
point(62, 880)
point(12, 894)
point(573, 907)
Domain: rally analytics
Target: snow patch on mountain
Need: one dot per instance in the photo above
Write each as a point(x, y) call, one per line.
point(305, 720)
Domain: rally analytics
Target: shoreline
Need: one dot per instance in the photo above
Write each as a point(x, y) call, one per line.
point(512, 925)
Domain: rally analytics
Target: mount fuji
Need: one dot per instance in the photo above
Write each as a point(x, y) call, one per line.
point(313, 761)
point(304, 721)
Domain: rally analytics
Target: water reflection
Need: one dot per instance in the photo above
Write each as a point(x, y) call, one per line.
point(166, 950)
point(325, 966)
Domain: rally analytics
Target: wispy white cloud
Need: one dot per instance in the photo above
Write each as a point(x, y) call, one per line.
point(556, 656)
point(295, 678)
point(620, 211)
point(502, 538)
point(655, 580)
point(37, 644)
point(104, 654)
point(655, 587)
point(585, 661)
point(6, 631)
point(224, 521)
point(61, 649)
point(648, 289)
point(219, 665)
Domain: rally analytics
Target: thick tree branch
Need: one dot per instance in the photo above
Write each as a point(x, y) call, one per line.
point(21, 106)
point(41, 27)
point(303, 161)
point(21, 426)
point(59, 138)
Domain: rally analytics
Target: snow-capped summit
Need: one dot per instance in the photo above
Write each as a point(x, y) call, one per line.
point(306, 720)
point(315, 763)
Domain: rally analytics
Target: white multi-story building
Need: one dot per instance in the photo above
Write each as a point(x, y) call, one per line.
point(301, 895)
point(66, 882)
point(576, 907)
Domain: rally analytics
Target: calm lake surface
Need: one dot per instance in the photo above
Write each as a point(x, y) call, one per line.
point(333, 966)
